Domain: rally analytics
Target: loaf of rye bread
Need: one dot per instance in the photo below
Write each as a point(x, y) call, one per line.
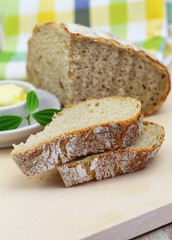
point(113, 163)
point(91, 126)
point(75, 62)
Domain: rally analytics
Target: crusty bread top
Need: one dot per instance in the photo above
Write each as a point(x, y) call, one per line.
point(87, 32)
point(84, 31)
point(153, 101)
point(150, 137)
point(114, 163)
point(85, 115)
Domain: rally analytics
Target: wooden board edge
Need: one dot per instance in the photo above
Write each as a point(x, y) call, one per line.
point(137, 226)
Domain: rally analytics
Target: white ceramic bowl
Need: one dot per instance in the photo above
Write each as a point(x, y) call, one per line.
point(18, 108)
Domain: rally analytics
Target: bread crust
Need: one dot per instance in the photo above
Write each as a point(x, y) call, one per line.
point(97, 138)
point(112, 40)
point(108, 164)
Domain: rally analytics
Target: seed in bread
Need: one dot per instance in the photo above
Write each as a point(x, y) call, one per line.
point(90, 126)
point(113, 163)
point(75, 63)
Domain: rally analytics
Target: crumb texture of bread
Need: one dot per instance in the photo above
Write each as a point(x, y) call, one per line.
point(87, 127)
point(75, 63)
point(113, 163)
point(47, 61)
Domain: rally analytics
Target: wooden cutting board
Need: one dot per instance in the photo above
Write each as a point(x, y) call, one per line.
point(40, 207)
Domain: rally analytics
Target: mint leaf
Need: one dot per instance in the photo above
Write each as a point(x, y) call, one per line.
point(9, 122)
point(32, 101)
point(44, 116)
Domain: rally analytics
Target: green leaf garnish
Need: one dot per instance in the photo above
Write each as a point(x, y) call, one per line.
point(32, 101)
point(45, 116)
point(10, 122)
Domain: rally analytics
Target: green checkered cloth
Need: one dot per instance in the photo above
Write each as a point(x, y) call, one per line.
point(145, 22)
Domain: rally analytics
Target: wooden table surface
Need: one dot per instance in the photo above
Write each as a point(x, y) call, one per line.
point(163, 233)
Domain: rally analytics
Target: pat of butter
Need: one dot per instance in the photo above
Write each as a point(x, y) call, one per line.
point(11, 94)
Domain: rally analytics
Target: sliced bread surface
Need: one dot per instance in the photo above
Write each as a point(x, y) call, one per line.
point(90, 126)
point(76, 62)
point(113, 163)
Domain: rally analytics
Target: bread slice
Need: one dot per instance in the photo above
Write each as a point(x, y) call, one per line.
point(75, 63)
point(88, 127)
point(113, 163)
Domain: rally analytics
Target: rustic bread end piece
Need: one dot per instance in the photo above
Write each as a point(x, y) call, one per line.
point(114, 163)
point(90, 126)
point(76, 62)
